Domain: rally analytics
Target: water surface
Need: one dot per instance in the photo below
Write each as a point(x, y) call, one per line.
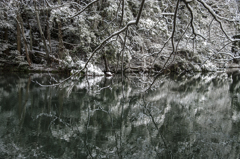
point(182, 116)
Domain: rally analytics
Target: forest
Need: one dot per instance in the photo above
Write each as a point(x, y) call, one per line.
point(119, 79)
point(114, 36)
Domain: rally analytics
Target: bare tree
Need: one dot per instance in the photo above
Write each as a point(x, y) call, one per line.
point(163, 35)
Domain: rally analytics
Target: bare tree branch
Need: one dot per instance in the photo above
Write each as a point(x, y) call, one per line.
point(122, 12)
point(84, 8)
point(215, 16)
point(140, 12)
point(192, 19)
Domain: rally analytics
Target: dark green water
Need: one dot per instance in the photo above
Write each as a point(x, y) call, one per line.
point(184, 116)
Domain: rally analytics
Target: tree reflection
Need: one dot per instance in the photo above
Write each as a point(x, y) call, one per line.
point(187, 116)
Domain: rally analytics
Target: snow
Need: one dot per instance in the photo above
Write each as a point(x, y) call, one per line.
point(209, 67)
point(236, 116)
point(94, 70)
point(69, 61)
point(91, 70)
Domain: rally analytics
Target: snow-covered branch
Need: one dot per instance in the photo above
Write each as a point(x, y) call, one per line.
point(215, 16)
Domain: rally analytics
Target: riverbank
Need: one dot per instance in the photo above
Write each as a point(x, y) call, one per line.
point(177, 64)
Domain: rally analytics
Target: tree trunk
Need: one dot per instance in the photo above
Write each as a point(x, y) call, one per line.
point(20, 24)
point(122, 13)
point(42, 35)
point(6, 39)
point(106, 63)
point(60, 45)
point(18, 34)
point(48, 32)
point(6, 35)
point(31, 39)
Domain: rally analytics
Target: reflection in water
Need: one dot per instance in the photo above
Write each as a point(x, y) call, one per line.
point(180, 117)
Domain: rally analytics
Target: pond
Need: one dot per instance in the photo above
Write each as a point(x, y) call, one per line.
point(181, 116)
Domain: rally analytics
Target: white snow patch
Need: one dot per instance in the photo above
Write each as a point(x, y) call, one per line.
point(209, 67)
point(69, 61)
point(94, 70)
point(236, 116)
point(91, 69)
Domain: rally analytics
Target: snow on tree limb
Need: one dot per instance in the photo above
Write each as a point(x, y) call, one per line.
point(215, 16)
point(84, 8)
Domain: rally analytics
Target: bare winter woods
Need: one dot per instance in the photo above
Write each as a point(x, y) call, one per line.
point(121, 35)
